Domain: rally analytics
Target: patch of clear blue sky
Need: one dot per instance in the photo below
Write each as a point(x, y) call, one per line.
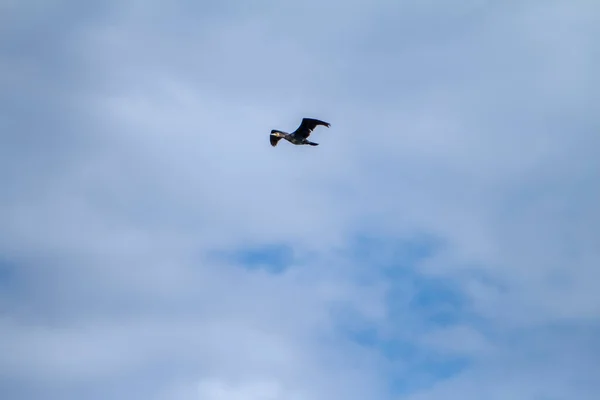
point(435, 302)
point(7, 273)
point(415, 304)
point(274, 258)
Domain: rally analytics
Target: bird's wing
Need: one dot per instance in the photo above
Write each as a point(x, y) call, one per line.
point(307, 126)
point(274, 140)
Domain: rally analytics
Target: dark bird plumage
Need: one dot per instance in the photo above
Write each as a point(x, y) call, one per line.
point(300, 135)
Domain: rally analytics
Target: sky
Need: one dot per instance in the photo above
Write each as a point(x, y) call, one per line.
point(442, 242)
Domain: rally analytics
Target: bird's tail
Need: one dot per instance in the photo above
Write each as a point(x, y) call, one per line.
point(274, 139)
point(312, 143)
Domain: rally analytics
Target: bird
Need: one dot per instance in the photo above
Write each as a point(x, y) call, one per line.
point(300, 135)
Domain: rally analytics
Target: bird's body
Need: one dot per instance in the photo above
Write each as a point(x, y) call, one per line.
point(300, 135)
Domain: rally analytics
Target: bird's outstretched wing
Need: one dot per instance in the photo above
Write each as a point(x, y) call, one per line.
point(307, 126)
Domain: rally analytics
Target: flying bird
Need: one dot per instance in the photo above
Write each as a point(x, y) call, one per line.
point(300, 135)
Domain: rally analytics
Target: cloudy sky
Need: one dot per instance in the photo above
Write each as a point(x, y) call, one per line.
point(442, 242)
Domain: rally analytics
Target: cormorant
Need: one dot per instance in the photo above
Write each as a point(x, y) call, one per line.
point(300, 135)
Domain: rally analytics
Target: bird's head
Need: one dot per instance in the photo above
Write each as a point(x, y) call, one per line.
point(277, 134)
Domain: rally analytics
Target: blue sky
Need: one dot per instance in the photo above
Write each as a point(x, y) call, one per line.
point(442, 242)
